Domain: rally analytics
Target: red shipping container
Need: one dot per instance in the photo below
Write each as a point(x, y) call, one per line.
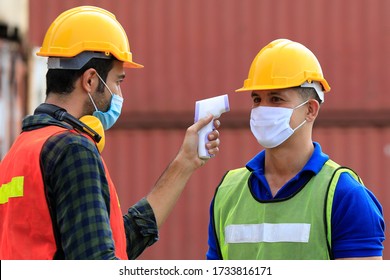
point(199, 48)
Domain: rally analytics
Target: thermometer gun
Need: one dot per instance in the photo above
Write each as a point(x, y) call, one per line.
point(215, 106)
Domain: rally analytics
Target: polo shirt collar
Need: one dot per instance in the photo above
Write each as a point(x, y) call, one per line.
point(314, 164)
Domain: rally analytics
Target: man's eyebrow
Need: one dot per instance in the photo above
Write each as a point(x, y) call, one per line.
point(121, 76)
point(272, 93)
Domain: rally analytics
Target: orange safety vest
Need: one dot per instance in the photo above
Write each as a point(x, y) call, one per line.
point(26, 230)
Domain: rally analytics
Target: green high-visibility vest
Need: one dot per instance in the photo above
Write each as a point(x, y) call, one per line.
point(297, 227)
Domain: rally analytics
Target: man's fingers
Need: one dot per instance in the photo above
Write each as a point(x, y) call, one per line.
point(202, 122)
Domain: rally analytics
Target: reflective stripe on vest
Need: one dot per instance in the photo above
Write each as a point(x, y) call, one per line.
point(292, 228)
point(253, 233)
point(26, 230)
point(12, 189)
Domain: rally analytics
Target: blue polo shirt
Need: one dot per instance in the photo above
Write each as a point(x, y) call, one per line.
point(357, 219)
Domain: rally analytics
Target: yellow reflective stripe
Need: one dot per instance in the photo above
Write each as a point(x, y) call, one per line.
point(333, 164)
point(332, 190)
point(11, 189)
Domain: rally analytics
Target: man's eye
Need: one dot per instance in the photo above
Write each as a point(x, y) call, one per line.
point(256, 100)
point(276, 99)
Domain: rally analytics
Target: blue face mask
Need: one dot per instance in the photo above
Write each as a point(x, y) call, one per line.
point(108, 118)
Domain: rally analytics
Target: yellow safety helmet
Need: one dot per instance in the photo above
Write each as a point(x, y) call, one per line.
point(87, 29)
point(284, 64)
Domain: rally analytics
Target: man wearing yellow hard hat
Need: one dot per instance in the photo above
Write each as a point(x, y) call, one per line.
point(291, 201)
point(57, 200)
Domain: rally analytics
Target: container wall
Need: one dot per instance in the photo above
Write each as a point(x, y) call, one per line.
point(12, 92)
point(200, 48)
point(137, 158)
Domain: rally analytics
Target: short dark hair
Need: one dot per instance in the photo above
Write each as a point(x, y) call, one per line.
point(308, 93)
point(61, 81)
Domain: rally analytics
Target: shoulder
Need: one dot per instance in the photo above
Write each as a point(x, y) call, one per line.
point(232, 181)
point(357, 220)
point(68, 148)
point(68, 137)
point(353, 196)
point(349, 188)
point(238, 172)
point(233, 176)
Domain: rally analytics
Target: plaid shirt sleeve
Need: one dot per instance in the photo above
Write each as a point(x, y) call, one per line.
point(141, 228)
point(79, 196)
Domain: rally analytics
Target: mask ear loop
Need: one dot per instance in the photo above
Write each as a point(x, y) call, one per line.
point(104, 83)
point(94, 105)
point(304, 121)
point(90, 97)
point(300, 105)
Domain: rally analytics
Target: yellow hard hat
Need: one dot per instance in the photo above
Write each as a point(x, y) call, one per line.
point(87, 29)
point(284, 64)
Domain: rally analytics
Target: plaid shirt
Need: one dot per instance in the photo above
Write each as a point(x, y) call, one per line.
point(79, 196)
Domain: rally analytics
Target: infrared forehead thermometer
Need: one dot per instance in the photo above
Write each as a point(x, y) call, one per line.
point(215, 106)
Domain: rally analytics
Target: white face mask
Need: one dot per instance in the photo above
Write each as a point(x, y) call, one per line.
point(271, 125)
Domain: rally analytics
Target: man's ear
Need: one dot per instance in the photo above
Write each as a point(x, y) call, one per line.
point(89, 80)
point(313, 110)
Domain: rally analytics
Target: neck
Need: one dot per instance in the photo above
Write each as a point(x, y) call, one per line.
point(289, 158)
point(69, 103)
point(284, 162)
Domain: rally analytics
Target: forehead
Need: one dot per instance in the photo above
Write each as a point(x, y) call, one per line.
point(117, 69)
point(288, 92)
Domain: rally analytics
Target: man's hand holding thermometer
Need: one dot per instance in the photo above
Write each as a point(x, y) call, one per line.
point(192, 154)
point(214, 106)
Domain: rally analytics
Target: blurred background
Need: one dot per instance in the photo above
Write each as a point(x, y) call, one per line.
point(196, 49)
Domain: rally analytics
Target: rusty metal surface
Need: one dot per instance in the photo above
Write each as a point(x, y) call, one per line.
point(200, 48)
point(136, 158)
